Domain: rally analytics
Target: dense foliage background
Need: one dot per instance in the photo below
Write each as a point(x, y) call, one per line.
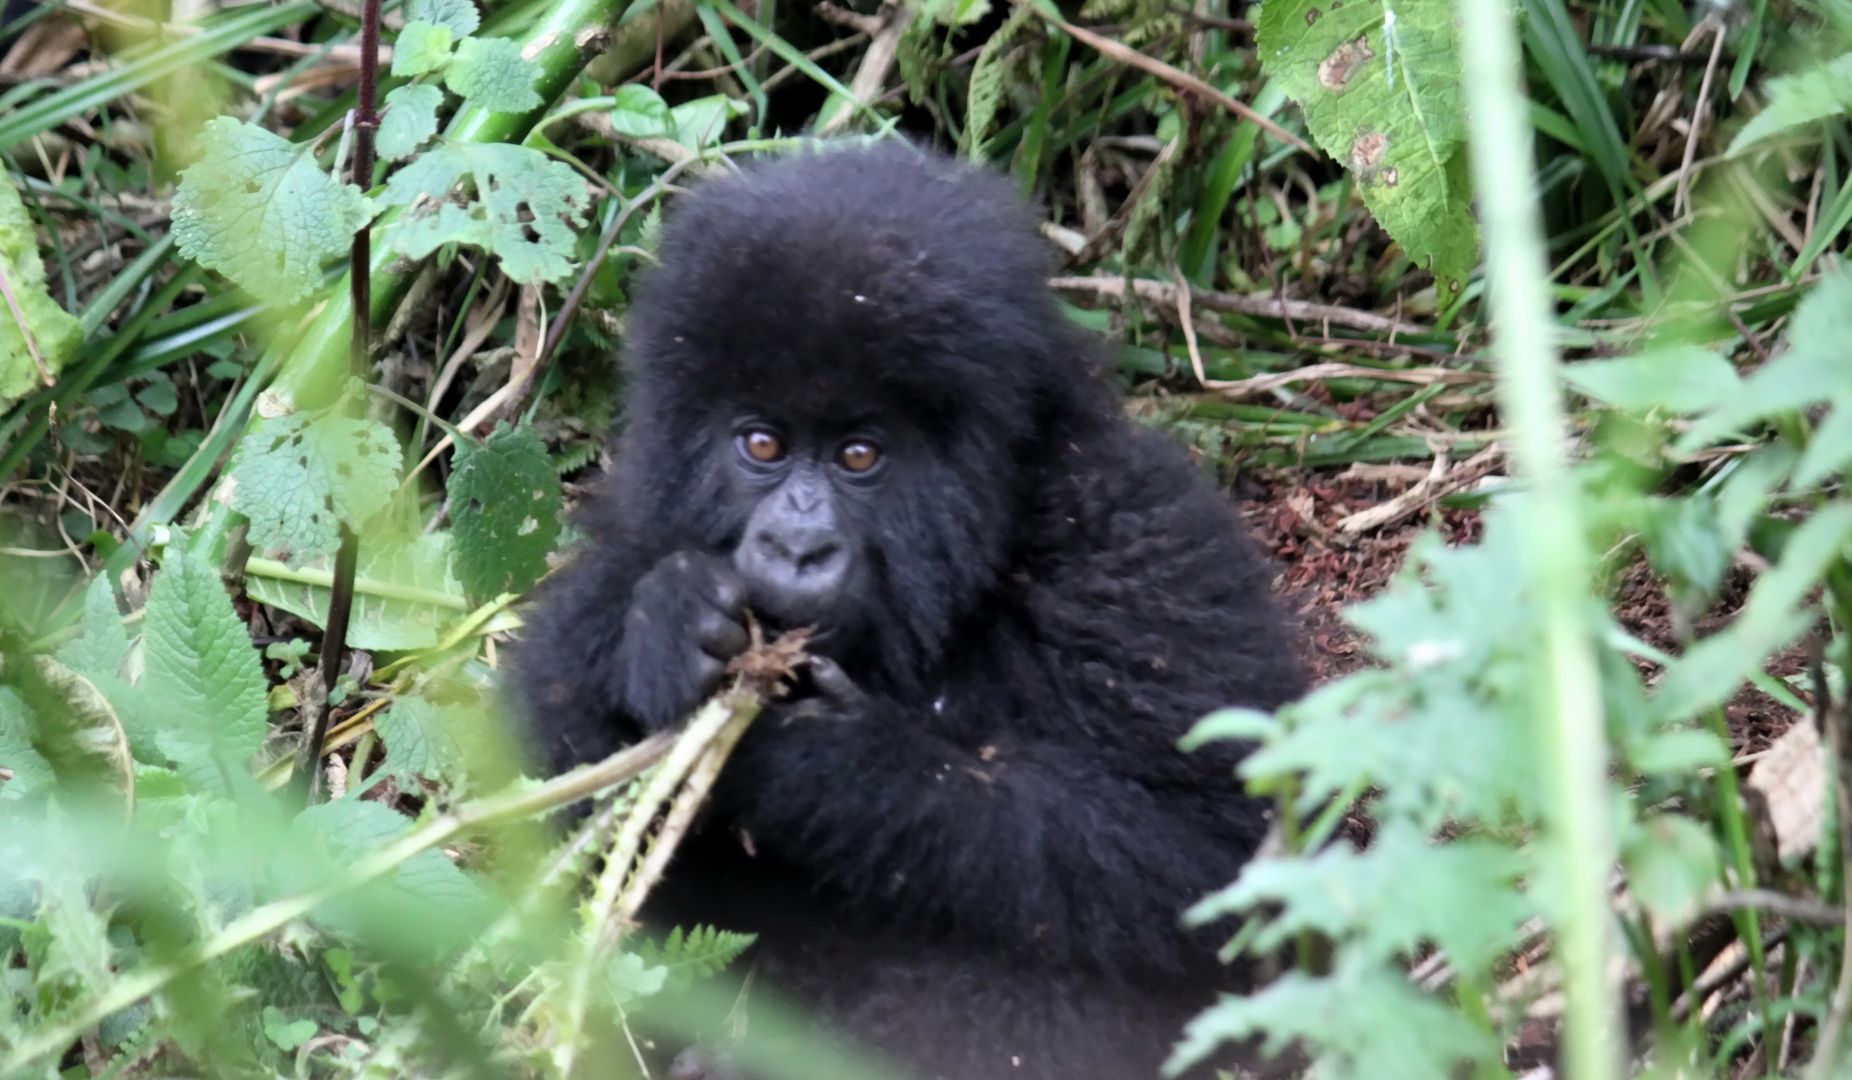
point(1571, 797)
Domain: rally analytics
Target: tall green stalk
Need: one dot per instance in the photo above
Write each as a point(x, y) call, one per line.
point(1566, 681)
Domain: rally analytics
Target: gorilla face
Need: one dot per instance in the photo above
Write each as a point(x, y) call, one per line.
point(803, 554)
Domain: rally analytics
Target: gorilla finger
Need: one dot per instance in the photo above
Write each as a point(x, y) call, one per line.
point(725, 590)
point(719, 635)
point(707, 672)
point(834, 682)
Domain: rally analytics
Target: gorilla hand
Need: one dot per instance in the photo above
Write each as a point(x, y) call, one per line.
point(686, 620)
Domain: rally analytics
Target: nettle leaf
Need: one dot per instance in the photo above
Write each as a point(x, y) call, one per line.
point(411, 118)
point(300, 476)
point(101, 647)
point(422, 47)
point(492, 73)
point(419, 739)
point(204, 680)
point(508, 180)
point(50, 335)
point(1801, 98)
point(505, 499)
point(257, 209)
point(1364, 1021)
point(31, 772)
point(460, 16)
point(1381, 92)
point(405, 592)
point(1813, 370)
point(1404, 891)
point(639, 112)
point(426, 900)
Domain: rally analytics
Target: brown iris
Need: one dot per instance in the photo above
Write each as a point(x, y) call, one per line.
point(858, 456)
point(762, 445)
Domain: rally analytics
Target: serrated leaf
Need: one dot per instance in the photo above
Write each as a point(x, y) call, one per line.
point(460, 16)
point(1811, 371)
point(505, 499)
point(203, 681)
point(427, 899)
point(492, 74)
point(411, 118)
point(639, 112)
point(405, 593)
point(1682, 379)
point(1400, 127)
point(31, 772)
point(300, 476)
point(1364, 1021)
point(103, 643)
point(419, 740)
point(50, 335)
point(1801, 98)
point(422, 47)
point(508, 180)
point(1829, 449)
point(699, 953)
point(257, 209)
point(1711, 670)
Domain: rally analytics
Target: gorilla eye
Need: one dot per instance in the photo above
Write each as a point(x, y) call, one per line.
point(858, 456)
point(762, 446)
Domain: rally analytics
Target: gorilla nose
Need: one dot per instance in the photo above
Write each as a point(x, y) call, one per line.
point(796, 571)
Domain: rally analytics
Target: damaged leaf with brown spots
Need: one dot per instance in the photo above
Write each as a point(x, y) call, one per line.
point(1380, 87)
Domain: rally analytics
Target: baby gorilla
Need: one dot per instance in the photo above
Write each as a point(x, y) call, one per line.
point(966, 840)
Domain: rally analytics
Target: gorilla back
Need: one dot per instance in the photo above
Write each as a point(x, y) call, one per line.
point(965, 841)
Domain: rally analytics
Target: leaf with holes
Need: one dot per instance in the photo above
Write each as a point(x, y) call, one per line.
point(299, 477)
point(256, 208)
point(508, 180)
point(492, 74)
point(50, 334)
point(505, 500)
point(1380, 86)
point(411, 118)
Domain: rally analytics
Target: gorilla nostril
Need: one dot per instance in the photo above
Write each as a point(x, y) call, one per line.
point(819, 557)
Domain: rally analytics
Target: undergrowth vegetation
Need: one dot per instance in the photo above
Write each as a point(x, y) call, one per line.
point(282, 450)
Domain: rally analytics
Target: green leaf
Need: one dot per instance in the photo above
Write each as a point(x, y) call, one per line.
point(1801, 98)
point(420, 740)
point(298, 477)
point(505, 499)
point(1402, 892)
point(422, 47)
point(700, 953)
point(460, 16)
point(50, 335)
point(703, 121)
point(1682, 379)
point(1811, 371)
point(100, 649)
point(426, 899)
point(31, 772)
point(203, 678)
point(508, 180)
point(491, 73)
point(411, 118)
point(1829, 450)
point(287, 1034)
point(1671, 862)
point(250, 184)
point(1399, 127)
point(158, 396)
point(1364, 1021)
point(405, 593)
point(1680, 752)
point(1711, 670)
point(639, 112)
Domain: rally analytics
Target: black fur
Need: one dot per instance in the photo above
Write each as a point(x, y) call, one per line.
point(976, 861)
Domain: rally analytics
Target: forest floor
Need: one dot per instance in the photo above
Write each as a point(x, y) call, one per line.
point(1295, 515)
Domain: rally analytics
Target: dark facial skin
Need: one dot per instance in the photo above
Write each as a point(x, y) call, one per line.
point(799, 562)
